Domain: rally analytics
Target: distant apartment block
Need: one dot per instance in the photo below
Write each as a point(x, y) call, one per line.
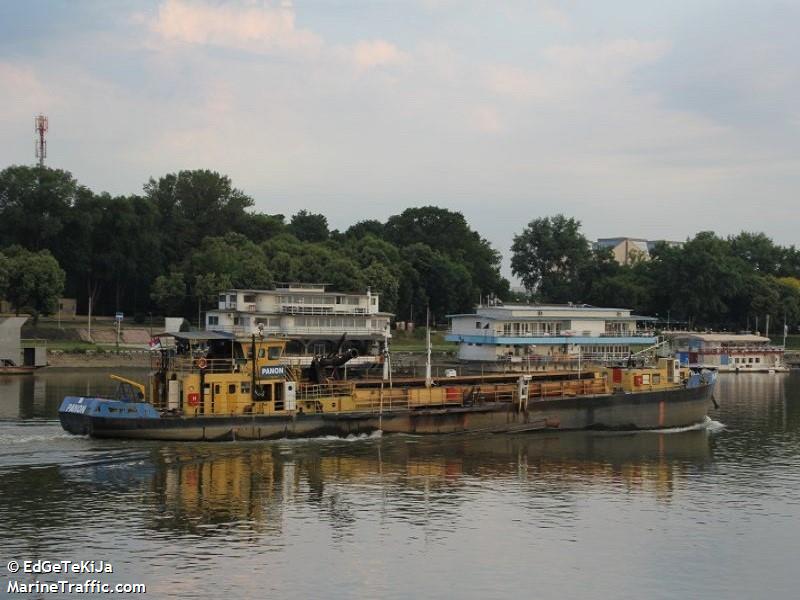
point(313, 317)
point(627, 250)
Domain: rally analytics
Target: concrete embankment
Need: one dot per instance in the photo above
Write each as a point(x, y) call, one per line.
point(125, 358)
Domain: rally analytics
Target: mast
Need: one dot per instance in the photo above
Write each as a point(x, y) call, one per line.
point(387, 366)
point(428, 360)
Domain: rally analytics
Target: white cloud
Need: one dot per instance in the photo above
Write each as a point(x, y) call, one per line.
point(245, 27)
point(377, 53)
point(567, 71)
point(24, 93)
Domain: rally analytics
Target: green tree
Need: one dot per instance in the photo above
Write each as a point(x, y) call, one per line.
point(234, 257)
point(448, 233)
point(193, 205)
point(5, 271)
point(259, 227)
point(309, 227)
point(35, 281)
point(34, 202)
point(381, 280)
point(206, 289)
point(440, 284)
point(362, 228)
point(549, 256)
point(758, 251)
point(169, 293)
point(698, 282)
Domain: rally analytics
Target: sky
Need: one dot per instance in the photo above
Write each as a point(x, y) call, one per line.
point(639, 118)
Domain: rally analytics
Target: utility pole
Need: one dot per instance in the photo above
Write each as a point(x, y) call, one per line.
point(90, 317)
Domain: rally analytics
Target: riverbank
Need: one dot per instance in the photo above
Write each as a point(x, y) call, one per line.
point(97, 359)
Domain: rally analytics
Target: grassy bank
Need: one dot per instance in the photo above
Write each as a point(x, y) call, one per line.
point(403, 341)
point(792, 341)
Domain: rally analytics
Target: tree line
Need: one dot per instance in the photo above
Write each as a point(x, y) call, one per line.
point(707, 281)
point(190, 235)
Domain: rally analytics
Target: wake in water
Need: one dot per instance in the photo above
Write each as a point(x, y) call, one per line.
point(708, 424)
point(335, 438)
point(12, 433)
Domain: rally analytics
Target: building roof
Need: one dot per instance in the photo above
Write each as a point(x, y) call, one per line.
point(195, 336)
point(547, 308)
point(585, 307)
point(296, 290)
point(617, 240)
point(722, 337)
point(543, 317)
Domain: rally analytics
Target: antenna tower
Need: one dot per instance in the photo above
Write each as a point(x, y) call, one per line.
point(40, 126)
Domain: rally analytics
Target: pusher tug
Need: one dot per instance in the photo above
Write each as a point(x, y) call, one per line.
point(214, 386)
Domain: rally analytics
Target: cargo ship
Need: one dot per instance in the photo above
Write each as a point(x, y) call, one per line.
point(214, 386)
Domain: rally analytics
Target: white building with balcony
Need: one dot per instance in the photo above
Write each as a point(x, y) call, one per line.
point(312, 316)
point(517, 332)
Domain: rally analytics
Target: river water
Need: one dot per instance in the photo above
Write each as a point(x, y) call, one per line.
point(712, 512)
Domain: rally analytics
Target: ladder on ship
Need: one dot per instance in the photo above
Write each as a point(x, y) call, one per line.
point(651, 351)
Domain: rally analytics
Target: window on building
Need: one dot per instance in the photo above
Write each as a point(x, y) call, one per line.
point(249, 298)
point(213, 320)
point(245, 387)
point(274, 352)
point(478, 325)
point(231, 388)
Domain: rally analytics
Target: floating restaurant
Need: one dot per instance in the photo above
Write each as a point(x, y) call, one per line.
point(314, 317)
point(520, 332)
point(728, 352)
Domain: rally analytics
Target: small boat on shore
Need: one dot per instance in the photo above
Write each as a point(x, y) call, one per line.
point(9, 367)
point(214, 386)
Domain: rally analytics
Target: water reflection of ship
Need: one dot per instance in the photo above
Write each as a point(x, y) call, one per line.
point(244, 488)
point(255, 487)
